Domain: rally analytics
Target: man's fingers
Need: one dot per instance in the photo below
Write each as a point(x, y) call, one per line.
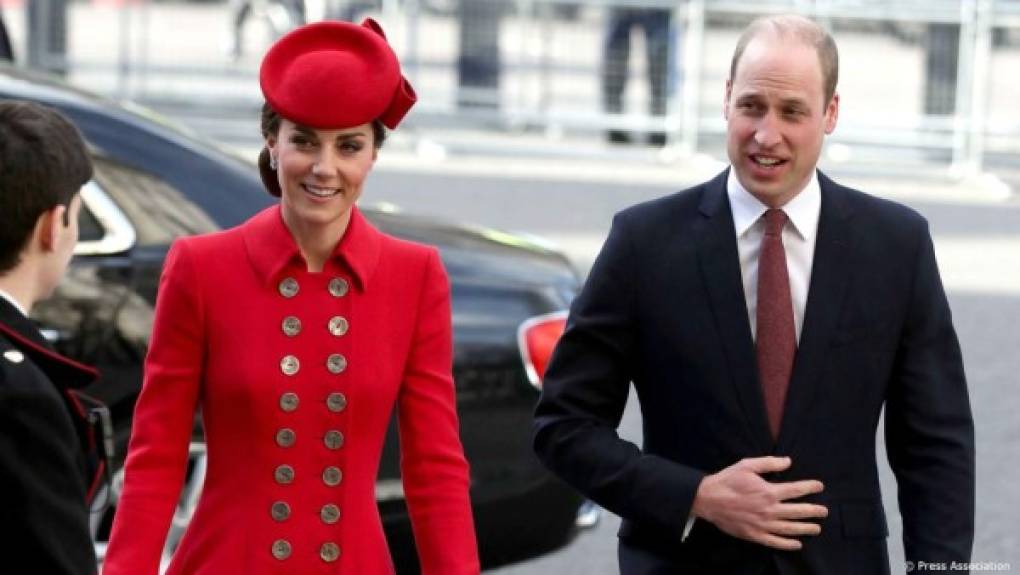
point(796, 489)
point(776, 542)
point(801, 511)
point(793, 528)
point(761, 465)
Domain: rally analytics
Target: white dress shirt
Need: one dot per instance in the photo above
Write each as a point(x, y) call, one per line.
point(799, 237)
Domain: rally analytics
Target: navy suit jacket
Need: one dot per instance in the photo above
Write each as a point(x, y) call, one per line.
point(664, 309)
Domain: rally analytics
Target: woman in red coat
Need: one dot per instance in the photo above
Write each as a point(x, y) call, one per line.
point(296, 334)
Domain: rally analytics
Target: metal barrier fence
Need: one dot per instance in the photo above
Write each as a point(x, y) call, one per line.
point(921, 77)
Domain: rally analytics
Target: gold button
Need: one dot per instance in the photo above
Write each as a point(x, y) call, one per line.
point(289, 365)
point(280, 511)
point(285, 437)
point(336, 363)
point(289, 287)
point(338, 287)
point(329, 552)
point(291, 326)
point(289, 401)
point(336, 402)
point(329, 514)
point(332, 476)
point(333, 439)
point(338, 325)
point(281, 549)
point(284, 474)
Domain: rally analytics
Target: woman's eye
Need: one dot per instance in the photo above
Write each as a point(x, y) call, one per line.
point(351, 147)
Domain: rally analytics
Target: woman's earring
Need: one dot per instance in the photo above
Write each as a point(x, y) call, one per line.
point(272, 163)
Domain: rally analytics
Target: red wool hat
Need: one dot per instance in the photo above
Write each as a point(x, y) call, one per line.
point(336, 75)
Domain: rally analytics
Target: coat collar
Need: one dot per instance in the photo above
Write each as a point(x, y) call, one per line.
point(271, 247)
point(720, 271)
point(833, 265)
point(22, 333)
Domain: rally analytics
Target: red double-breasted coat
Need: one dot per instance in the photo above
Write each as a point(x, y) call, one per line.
point(296, 374)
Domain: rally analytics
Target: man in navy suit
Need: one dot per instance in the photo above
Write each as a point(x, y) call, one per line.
point(765, 319)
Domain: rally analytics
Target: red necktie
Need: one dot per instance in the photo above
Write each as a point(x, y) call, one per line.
point(776, 342)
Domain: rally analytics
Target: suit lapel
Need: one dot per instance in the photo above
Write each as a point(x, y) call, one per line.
point(829, 272)
point(720, 268)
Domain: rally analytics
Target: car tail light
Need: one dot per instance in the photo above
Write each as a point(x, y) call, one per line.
point(537, 337)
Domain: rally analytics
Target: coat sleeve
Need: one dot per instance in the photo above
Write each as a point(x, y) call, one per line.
point(433, 467)
point(163, 420)
point(928, 425)
point(584, 394)
point(45, 512)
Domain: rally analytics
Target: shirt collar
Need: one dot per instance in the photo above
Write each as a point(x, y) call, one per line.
point(271, 247)
point(10, 299)
point(803, 210)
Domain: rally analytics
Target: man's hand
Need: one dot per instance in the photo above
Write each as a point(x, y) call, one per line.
point(741, 503)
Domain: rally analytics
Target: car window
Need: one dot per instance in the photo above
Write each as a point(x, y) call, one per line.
point(89, 228)
point(157, 210)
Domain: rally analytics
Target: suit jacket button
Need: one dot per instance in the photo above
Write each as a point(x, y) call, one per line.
point(332, 476)
point(329, 552)
point(329, 514)
point(281, 549)
point(333, 439)
point(289, 365)
point(338, 287)
point(284, 474)
point(285, 437)
point(291, 326)
point(336, 363)
point(336, 402)
point(289, 287)
point(338, 325)
point(280, 511)
point(289, 401)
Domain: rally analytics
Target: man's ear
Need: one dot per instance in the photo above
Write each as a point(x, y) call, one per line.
point(49, 227)
point(726, 100)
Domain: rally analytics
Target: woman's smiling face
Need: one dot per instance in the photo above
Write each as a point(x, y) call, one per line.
point(321, 172)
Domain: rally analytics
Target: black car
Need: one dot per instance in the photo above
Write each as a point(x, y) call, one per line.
point(153, 183)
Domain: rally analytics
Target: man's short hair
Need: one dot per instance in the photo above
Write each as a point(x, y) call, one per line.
point(43, 164)
point(798, 28)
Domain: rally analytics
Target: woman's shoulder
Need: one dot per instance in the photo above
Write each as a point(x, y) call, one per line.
point(407, 253)
point(215, 244)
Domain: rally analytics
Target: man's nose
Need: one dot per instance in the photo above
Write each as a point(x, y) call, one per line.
point(767, 133)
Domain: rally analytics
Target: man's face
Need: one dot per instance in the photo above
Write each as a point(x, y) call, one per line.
point(777, 117)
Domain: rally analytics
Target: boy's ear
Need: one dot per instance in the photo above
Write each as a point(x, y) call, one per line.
point(49, 225)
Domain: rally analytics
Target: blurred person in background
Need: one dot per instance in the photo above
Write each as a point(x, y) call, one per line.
point(766, 318)
point(660, 48)
point(6, 50)
point(298, 334)
point(280, 15)
point(49, 469)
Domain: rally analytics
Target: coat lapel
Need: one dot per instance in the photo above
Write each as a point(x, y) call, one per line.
point(829, 272)
point(720, 268)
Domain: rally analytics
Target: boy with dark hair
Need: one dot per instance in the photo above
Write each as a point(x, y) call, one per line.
point(47, 473)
